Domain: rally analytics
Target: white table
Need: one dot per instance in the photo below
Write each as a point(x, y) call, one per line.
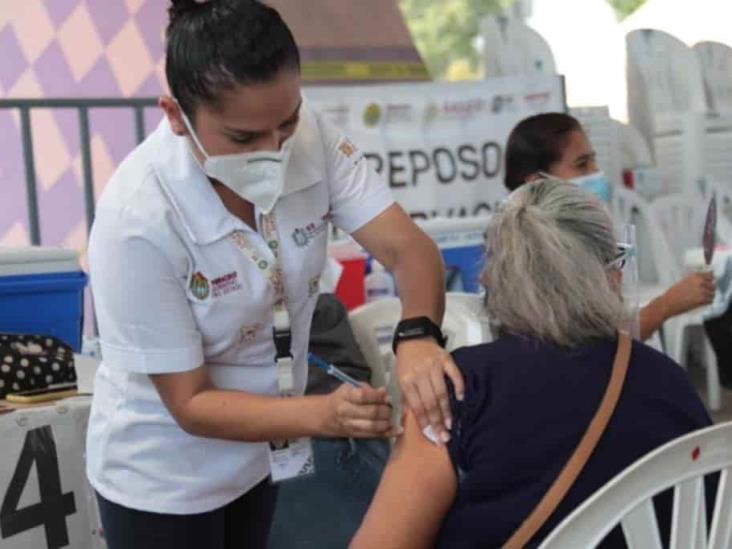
point(44, 496)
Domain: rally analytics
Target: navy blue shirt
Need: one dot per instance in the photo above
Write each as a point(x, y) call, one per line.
point(527, 404)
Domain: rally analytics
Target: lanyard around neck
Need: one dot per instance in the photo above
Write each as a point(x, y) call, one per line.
point(274, 274)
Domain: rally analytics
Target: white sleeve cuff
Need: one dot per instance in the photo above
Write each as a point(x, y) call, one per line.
point(152, 361)
point(353, 216)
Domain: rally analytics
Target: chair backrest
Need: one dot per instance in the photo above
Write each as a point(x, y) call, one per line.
point(634, 149)
point(373, 326)
point(627, 499)
point(680, 218)
point(715, 60)
point(663, 77)
point(465, 323)
point(655, 256)
point(603, 133)
point(511, 48)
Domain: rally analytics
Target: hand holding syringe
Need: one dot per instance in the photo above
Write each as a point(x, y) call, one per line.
point(332, 370)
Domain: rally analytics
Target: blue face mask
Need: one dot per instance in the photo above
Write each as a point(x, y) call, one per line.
point(596, 183)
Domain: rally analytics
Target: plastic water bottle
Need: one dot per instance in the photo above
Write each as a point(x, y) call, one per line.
point(379, 283)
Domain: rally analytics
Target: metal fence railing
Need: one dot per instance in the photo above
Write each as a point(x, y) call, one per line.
point(82, 107)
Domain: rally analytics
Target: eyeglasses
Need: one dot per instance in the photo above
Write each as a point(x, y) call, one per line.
point(622, 254)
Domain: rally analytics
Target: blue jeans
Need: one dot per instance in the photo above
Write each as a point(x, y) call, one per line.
point(323, 511)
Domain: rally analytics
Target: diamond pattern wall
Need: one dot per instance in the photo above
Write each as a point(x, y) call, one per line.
point(72, 48)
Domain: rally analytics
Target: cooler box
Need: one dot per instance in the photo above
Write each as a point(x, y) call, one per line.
point(462, 244)
point(42, 293)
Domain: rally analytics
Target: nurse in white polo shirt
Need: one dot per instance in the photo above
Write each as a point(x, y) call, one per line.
point(205, 289)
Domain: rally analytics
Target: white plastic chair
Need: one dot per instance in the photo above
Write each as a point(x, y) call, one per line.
point(604, 135)
point(373, 326)
point(715, 60)
point(627, 499)
point(663, 76)
point(510, 48)
point(681, 220)
point(667, 102)
point(656, 268)
point(465, 323)
point(666, 228)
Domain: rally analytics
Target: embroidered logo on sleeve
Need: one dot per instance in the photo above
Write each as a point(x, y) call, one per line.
point(349, 150)
point(200, 287)
point(226, 284)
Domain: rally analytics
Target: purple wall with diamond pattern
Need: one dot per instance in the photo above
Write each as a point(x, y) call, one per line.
point(72, 48)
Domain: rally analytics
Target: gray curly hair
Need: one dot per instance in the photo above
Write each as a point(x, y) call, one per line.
point(546, 254)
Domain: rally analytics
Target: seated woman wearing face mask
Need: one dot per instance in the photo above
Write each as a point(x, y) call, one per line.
point(552, 274)
point(554, 144)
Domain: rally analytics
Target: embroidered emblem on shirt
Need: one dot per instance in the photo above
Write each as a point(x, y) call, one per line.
point(349, 150)
point(226, 284)
point(200, 287)
point(249, 333)
point(314, 286)
point(304, 235)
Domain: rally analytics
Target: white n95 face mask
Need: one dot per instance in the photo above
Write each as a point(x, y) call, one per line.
point(258, 177)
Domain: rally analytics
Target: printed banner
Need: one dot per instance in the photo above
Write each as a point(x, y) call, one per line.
point(440, 146)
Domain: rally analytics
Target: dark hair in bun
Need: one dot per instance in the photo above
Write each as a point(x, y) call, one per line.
point(215, 45)
point(178, 8)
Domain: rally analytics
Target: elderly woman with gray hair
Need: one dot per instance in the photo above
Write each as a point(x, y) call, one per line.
point(553, 274)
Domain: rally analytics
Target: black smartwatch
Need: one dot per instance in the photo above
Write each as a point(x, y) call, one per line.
point(417, 328)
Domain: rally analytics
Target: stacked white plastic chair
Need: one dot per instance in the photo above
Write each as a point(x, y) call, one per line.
point(627, 499)
point(667, 103)
point(715, 60)
point(605, 138)
point(671, 224)
point(511, 47)
point(681, 220)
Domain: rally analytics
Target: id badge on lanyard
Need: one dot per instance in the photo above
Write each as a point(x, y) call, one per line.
point(287, 458)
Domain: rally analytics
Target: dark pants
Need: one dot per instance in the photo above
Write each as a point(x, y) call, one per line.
point(243, 523)
point(323, 511)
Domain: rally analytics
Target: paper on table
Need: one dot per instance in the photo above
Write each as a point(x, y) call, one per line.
point(86, 369)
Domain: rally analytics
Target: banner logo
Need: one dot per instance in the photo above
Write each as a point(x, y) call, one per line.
point(372, 115)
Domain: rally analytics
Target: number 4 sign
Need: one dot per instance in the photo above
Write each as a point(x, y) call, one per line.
point(54, 506)
point(44, 499)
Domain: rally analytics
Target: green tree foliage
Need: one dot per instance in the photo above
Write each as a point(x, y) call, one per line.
point(445, 30)
point(623, 8)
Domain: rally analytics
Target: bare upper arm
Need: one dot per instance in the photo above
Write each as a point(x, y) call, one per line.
point(388, 233)
point(415, 493)
point(177, 389)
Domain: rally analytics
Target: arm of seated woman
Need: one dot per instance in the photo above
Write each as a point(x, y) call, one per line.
point(692, 291)
point(415, 493)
